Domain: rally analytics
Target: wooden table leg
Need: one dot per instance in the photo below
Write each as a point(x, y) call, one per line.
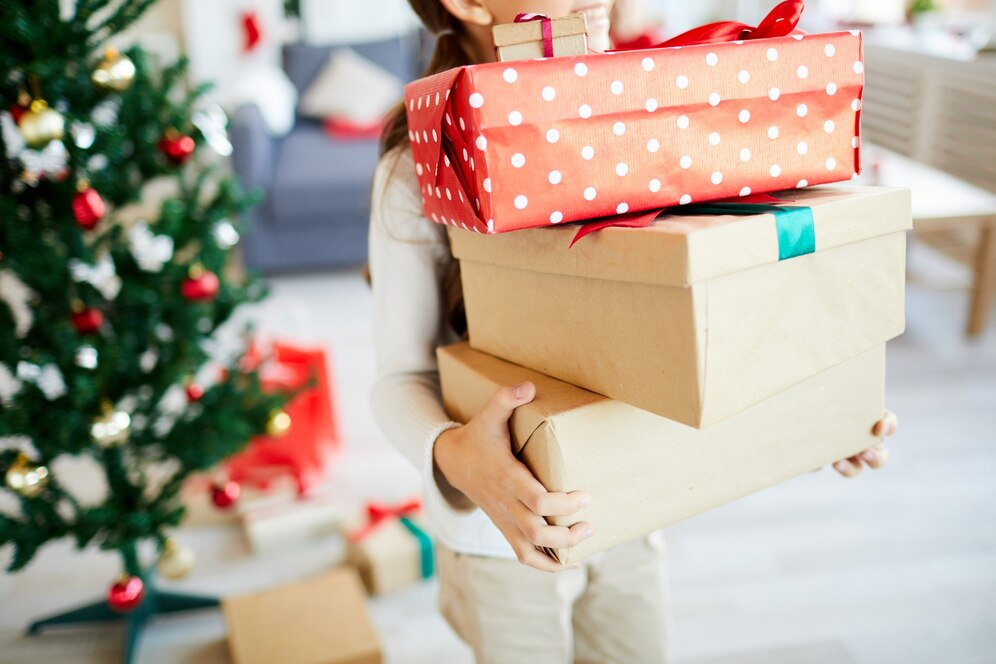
point(984, 286)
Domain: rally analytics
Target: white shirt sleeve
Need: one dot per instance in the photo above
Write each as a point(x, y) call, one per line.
point(409, 256)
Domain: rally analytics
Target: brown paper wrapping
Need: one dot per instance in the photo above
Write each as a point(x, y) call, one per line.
point(322, 620)
point(692, 318)
point(389, 558)
point(644, 472)
point(524, 41)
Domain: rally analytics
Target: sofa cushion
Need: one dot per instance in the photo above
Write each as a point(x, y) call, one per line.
point(351, 89)
point(318, 178)
point(398, 55)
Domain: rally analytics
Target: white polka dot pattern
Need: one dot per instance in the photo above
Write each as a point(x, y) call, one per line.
point(565, 139)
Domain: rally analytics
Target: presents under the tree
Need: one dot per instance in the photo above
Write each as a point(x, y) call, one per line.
point(695, 317)
point(505, 146)
point(322, 620)
point(644, 472)
point(201, 504)
point(302, 450)
point(537, 36)
point(284, 525)
point(390, 547)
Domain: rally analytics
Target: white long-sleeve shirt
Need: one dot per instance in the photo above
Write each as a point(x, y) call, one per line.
point(409, 257)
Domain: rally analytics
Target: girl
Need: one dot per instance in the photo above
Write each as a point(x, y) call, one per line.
point(487, 508)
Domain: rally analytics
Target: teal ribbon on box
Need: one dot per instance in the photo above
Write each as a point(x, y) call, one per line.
point(425, 547)
point(379, 514)
point(796, 225)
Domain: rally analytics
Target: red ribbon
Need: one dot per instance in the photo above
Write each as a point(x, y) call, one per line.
point(780, 22)
point(647, 217)
point(546, 26)
point(378, 513)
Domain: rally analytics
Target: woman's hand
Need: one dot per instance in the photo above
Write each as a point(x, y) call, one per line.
point(477, 460)
point(874, 457)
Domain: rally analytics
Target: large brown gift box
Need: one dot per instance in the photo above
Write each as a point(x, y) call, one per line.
point(322, 620)
point(694, 318)
point(644, 472)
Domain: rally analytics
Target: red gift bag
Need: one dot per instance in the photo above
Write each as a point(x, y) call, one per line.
point(314, 434)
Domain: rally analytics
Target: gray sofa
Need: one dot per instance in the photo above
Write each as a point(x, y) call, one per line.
point(317, 189)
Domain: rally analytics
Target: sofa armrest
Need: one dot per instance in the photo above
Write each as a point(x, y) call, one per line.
point(255, 150)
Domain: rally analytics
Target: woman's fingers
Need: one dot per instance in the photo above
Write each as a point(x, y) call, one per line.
point(849, 467)
point(541, 502)
point(529, 555)
point(503, 403)
point(541, 533)
point(875, 457)
point(887, 425)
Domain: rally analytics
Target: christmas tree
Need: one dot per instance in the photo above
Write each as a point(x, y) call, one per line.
point(105, 321)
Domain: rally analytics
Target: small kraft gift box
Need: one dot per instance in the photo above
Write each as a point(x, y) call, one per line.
point(695, 318)
point(644, 472)
point(322, 620)
point(510, 145)
point(390, 547)
point(536, 36)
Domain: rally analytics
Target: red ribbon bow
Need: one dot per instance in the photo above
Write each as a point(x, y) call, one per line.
point(780, 22)
point(546, 27)
point(378, 513)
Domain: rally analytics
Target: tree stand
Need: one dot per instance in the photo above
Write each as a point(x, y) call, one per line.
point(155, 602)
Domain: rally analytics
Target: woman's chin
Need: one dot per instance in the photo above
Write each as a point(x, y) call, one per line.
point(598, 37)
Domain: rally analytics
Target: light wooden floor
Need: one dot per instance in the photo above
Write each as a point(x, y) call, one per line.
point(898, 567)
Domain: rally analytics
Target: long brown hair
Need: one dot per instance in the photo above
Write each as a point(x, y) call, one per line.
point(450, 52)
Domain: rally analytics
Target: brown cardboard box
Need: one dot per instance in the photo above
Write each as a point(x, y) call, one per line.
point(644, 472)
point(390, 557)
point(524, 41)
point(322, 620)
point(692, 318)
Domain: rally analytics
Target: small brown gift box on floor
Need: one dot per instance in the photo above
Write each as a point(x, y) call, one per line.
point(393, 554)
point(644, 472)
point(322, 620)
point(524, 40)
point(694, 318)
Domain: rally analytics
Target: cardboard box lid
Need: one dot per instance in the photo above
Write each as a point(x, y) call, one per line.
point(509, 34)
point(683, 250)
point(317, 620)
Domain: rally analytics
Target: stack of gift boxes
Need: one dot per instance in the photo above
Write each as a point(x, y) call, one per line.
point(724, 328)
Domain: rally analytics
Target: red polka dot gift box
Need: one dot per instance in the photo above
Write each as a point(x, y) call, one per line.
point(510, 145)
point(700, 315)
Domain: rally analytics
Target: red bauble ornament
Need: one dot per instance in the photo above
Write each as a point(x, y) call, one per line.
point(87, 321)
point(126, 594)
point(194, 392)
point(225, 495)
point(177, 147)
point(88, 207)
point(200, 286)
point(16, 111)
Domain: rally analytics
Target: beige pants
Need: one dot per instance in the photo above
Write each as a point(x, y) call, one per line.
point(613, 609)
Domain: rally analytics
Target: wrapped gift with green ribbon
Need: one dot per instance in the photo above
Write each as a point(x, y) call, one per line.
point(391, 548)
point(700, 312)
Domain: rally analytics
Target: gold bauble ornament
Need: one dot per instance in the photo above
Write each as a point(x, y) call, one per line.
point(26, 478)
point(114, 73)
point(279, 424)
point(40, 125)
point(176, 561)
point(112, 428)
